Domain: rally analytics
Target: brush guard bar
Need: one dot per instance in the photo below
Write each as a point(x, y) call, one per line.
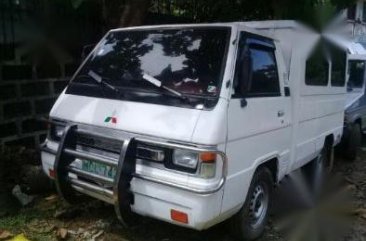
point(115, 191)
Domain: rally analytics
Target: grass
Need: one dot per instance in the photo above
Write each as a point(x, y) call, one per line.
point(20, 223)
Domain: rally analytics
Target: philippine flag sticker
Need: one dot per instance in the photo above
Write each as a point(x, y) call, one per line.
point(110, 119)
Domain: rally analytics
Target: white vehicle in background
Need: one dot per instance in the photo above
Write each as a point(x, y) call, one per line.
point(195, 124)
point(354, 71)
point(355, 111)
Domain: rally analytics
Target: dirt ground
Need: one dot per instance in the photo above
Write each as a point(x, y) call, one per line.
point(48, 218)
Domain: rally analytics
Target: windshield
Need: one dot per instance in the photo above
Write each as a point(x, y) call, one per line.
point(356, 70)
point(190, 61)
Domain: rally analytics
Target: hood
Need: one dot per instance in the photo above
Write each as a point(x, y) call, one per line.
point(140, 118)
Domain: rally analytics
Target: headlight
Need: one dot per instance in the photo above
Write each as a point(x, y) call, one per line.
point(206, 161)
point(185, 158)
point(59, 131)
point(203, 164)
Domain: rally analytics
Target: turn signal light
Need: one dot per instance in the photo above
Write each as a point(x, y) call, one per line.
point(208, 157)
point(52, 173)
point(178, 216)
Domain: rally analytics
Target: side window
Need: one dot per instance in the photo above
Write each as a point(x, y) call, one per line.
point(317, 68)
point(256, 73)
point(339, 60)
point(356, 70)
point(351, 12)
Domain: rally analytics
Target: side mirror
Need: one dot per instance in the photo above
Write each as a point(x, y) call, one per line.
point(243, 103)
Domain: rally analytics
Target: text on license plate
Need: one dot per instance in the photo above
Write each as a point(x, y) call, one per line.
point(99, 169)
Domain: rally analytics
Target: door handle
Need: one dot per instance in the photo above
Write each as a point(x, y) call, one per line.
point(280, 113)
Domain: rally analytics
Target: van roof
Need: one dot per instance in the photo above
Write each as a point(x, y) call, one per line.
point(266, 28)
point(250, 24)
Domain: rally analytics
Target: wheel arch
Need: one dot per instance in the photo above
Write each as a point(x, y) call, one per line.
point(329, 145)
point(272, 164)
point(329, 141)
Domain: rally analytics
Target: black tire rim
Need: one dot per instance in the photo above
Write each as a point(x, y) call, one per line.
point(258, 205)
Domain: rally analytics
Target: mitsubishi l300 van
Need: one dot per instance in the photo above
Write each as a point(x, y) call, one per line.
point(195, 124)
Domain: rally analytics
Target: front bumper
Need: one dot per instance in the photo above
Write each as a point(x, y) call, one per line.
point(155, 196)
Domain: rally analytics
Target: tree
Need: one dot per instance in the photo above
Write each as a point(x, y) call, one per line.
point(120, 13)
point(341, 4)
point(134, 12)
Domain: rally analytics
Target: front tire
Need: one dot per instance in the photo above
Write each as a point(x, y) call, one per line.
point(249, 223)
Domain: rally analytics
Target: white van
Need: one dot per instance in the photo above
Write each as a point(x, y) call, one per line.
point(355, 108)
point(353, 66)
point(354, 54)
point(195, 124)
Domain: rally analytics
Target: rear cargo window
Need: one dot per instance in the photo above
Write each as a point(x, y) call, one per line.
point(317, 68)
point(356, 71)
point(339, 60)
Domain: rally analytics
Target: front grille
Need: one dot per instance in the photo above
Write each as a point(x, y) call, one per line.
point(99, 143)
point(104, 154)
point(97, 151)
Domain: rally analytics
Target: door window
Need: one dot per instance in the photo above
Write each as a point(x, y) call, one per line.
point(256, 72)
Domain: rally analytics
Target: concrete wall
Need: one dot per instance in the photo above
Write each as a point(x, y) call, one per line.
point(26, 96)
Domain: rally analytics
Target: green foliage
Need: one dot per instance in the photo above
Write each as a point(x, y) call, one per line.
point(223, 10)
point(340, 4)
point(316, 13)
point(77, 3)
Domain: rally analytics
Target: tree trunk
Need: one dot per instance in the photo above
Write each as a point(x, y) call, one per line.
point(111, 12)
point(278, 7)
point(134, 12)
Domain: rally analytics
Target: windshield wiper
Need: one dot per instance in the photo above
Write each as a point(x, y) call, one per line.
point(158, 83)
point(99, 79)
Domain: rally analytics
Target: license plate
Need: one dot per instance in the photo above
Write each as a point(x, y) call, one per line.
point(99, 169)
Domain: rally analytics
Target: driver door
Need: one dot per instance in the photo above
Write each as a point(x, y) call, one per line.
point(259, 114)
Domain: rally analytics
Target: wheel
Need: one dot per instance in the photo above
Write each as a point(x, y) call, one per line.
point(250, 221)
point(353, 142)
